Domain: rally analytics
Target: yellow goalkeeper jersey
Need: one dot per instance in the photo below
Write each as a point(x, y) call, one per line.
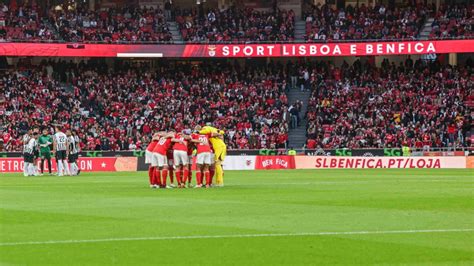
point(215, 141)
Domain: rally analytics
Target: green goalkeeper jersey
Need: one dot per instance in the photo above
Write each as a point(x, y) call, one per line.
point(44, 143)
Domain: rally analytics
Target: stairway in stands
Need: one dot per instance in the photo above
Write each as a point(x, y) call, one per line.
point(300, 30)
point(174, 29)
point(426, 30)
point(297, 136)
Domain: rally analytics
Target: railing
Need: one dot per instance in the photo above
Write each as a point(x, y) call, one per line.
point(444, 151)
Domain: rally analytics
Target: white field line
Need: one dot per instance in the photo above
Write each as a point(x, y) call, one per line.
point(72, 241)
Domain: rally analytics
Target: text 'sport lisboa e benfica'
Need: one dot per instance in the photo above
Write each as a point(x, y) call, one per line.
point(269, 50)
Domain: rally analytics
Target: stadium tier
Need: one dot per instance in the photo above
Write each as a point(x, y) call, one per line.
point(353, 106)
point(236, 24)
point(411, 104)
point(120, 110)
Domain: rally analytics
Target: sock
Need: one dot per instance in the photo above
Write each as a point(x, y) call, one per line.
point(25, 169)
point(71, 168)
point(31, 169)
point(76, 168)
point(186, 175)
point(171, 171)
point(178, 177)
point(212, 171)
point(198, 178)
point(60, 167)
point(157, 177)
point(42, 165)
point(219, 174)
point(151, 171)
point(66, 168)
point(164, 174)
point(207, 174)
point(49, 166)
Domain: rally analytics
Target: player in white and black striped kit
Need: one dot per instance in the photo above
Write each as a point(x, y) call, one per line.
point(73, 155)
point(26, 138)
point(29, 149)
point(60, 149)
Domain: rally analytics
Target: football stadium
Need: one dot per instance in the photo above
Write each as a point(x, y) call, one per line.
point(236, 132)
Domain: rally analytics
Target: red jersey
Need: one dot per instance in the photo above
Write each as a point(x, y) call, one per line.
point(162, 146)
point(202, 147)
point(152, 145)
point(180, 146)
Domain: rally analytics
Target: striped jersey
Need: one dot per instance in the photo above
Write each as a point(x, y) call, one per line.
point(72, 145)
point(61, 141)
point(30, 146)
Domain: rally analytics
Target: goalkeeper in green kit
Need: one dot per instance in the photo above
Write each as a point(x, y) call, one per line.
point(44, 142)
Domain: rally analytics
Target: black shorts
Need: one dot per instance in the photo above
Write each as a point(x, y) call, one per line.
point(37, 154)
point(28, 157)
point(61, 155)
point(72, 158)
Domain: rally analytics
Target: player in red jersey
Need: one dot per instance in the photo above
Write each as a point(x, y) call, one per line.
point(160, 160)
point(203, 159)
point(180, 155)
point(148, 159)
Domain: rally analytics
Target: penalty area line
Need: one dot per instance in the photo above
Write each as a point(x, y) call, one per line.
point(79, 241)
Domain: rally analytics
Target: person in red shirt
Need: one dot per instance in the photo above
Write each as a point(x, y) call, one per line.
point(426, 142)
point(311, 144)
point(148, 159)
point(160, 160)
point(203, 159)
point(180, 155)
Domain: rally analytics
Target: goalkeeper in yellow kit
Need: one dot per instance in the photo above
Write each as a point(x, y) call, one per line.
point(216, 137)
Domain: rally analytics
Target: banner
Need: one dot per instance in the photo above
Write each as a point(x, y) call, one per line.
point(236, 50)
point(100, 164)
point(240, 162)
point(318, 162)
point(275, 162)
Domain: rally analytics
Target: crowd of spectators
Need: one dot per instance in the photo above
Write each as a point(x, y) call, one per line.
point(112, 25)
point(453, 22)
point(415, 104)
point(117, 108)
point(23, 24)
point(364, 22)
point(236, 25)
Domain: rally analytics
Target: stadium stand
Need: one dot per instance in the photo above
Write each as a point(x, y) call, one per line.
point(23, 24)
point(119, 110)
point(112, 25)
point(236, 25)
point(352, 23)
point(417, 104)
point(453, 22)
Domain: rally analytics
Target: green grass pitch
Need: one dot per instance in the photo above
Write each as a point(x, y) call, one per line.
point(289, 217)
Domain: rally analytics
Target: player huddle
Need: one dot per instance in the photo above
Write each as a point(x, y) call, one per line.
point(64, 147)
point(172, 152)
